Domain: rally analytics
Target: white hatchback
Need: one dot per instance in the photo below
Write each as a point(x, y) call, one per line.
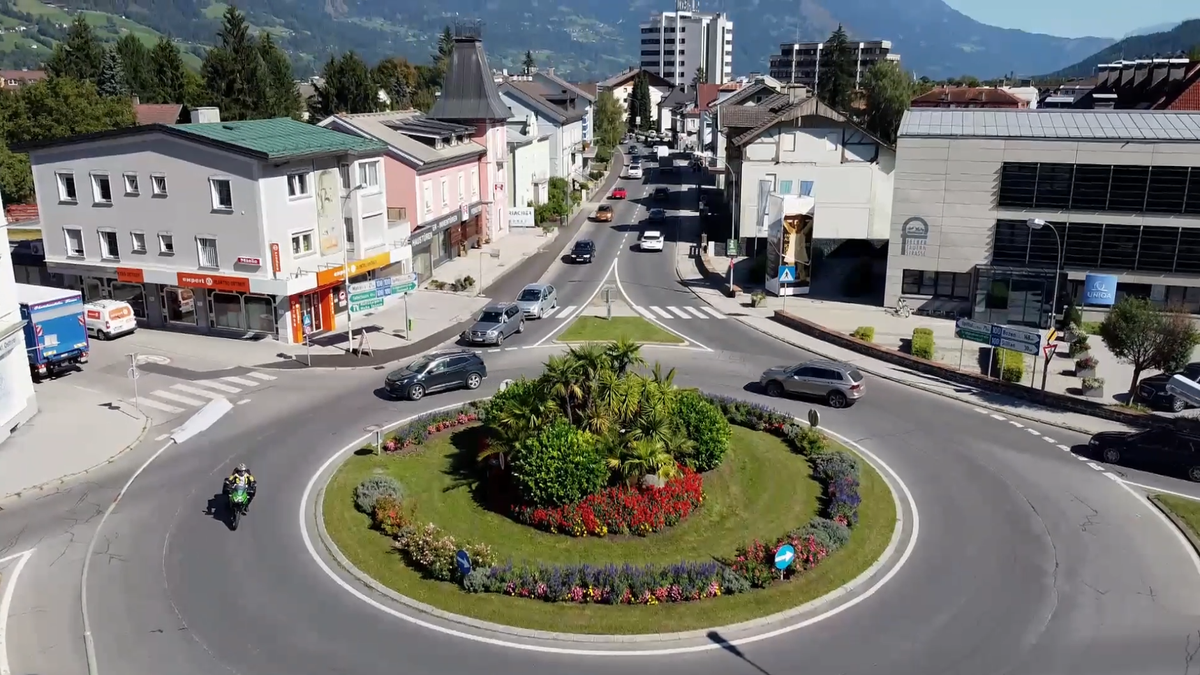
point(635, 172)
point(651, 240)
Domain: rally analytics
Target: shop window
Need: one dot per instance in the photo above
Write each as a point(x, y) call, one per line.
point(227, 311)
point(137, 242)
point(66, 187)
point(1127, 290)
point(952, 285)
point(134, 294)
point(74, 239)
point(222, 194)
point(997, 294)
point(206, 252)
point(131, 185)
point(101, 189)
point(179, 305)
point(302, 243)
point(109, 249)
point(297, 185)
point(260, 313)
point(1184, 299)
point(159, 183)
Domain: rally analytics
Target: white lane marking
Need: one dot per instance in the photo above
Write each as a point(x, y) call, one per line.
point(511, 349)
point(550, 312)
point(151, 403)
point(643, 312)
point(565, 314)
point(261, 376)
point(197, 391)
point(243, 401)
point(493, 351)
point(1016, 424)
point(1179, 536)
point(162, 437)
point(621, 287)
point(1035, 432)
point(981, 411)
point(713, 312)
point(1081, 458)
point(1095, 466)
point(1048, 439)
point(682, 315)
point(176, 397)
point(219, 386)
point(661, 313)
point(695, 311)
point(1064, 448)
point(241, 380)
point(891, 573)
point(6, 604)
point(997, 417)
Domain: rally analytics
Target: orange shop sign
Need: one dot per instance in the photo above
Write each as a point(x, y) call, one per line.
point(213, 282)
point(130, 275)
point(276, 265)
point(333, 275)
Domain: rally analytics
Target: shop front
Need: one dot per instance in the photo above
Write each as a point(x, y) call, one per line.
point(437, 241)
point(324, 309)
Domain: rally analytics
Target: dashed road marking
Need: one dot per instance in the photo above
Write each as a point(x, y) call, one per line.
point(1095, 466)
point(1048, 439)
point(997, 417)
point(1064, 448)
point(243, 401)
point(1016, 424)
point(1034, 432)
point(162, 437)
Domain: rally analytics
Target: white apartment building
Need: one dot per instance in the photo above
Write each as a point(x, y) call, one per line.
point(676, 44)
point(18, 401)
point(800, 63)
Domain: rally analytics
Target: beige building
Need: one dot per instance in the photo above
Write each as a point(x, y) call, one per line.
point(1107, 191)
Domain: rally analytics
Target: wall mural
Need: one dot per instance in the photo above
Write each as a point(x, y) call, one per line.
point(914, 237)
point(329, 211)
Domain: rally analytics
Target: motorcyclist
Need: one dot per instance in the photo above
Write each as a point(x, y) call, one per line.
point(242, 476)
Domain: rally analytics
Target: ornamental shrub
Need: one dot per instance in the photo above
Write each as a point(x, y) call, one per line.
point(805, 440)
point(372, 488)
point(864, 333)
point(560, 465)
point(611, 584)
point(921, 345)
point(1012, 365)
point(432, 551)
point(390, 517)
point(709, 431)
point(837, 533)
point(834, 465)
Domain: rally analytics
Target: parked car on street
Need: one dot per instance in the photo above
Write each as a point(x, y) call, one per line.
point(1169, 449)
point(840, 384)
point(496, 322)
point(437, 371)
point(1153, 390)
point(662, 192)
point(584, 251)
point(537, 299)
point(658, 215)
point(619, 193)
point(604, 214)
point(651, 240)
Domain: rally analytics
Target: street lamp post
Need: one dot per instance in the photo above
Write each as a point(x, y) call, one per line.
point(1037, 224)
point(346, 269)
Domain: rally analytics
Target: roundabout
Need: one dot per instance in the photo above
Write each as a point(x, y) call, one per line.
point(764, 488)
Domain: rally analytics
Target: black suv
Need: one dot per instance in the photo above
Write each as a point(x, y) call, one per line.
point(437, 371)
point(1173, 449)
point(661, 193)
point(584, 251)
point(1153, 390)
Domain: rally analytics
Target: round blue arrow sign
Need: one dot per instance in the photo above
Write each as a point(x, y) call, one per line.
point(784, 556)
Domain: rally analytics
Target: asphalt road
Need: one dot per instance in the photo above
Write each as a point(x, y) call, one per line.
point(1029, 560)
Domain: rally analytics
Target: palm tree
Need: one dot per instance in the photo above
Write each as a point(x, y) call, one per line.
point(642, 458)
point(654, 424)
point(592, 359)
point(516, 417)
point(562, 381)
point(665, 380)
point(624, 354)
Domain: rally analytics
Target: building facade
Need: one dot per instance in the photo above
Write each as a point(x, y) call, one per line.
point(971, 97)
point(18, 400)
point(568, 96)
point(800, 62)
point(621, 86)
point(987, 204)
point(529, 159)
point(564, 128)
point(220, 227)
point(675, 45)
point(434, 170)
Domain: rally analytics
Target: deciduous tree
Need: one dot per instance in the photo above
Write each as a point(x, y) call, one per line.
point(80, 56)
point(609, 125)
point(889, 93)
point(398, 78)
point(836, 83)
point(1143, 336)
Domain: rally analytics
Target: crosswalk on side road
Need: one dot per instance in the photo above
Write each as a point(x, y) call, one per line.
point(685, 312)
point(195, 393)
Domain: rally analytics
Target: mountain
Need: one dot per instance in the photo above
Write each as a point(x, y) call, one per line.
point(1182, 39)
point(1151, 30)
point(587, 39)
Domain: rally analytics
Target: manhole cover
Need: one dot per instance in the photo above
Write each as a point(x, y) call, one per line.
point(153, 358)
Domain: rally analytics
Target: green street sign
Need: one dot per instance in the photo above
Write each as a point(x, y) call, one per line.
point(367, 306)
point(363, 297)
point(973, 335)
point(408, 287)
point(731, 248)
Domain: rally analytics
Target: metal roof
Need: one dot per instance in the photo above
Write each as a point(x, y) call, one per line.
point(392, 129)
point(469, 92)
point(281, 138)
point(428, 128)
point(1100, 125)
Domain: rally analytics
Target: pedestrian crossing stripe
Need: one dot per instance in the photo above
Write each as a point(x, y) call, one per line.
point(565, 312)
point(195, 393)
point(685, 312)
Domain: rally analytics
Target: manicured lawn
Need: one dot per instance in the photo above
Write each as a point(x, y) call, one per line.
point(761, 490)
point(599, 329)
point(1188, 510)
point(1091, 327)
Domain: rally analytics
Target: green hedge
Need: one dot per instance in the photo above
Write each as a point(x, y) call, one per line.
point(1011, 365)
point(864, 333)
point(559, 466)
point(922, 343)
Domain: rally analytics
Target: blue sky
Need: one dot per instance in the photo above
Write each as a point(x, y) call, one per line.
point(1076, 18)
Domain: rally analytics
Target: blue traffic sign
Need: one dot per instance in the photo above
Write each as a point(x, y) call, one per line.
point(784, 556)
point(464, 562)
point(787, 274)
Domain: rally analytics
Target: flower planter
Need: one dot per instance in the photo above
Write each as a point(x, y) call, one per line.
point(1094, 392)
point(1085, 372)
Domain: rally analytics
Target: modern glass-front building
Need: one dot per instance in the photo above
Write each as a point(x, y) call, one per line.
point(1106, 191)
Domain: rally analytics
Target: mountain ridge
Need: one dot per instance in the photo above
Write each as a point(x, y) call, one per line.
point(1182, 39)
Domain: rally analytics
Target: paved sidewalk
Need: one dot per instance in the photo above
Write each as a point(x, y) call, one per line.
point(759, 319)
point(75, 431)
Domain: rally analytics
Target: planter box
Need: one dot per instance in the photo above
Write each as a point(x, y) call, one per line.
point(1094, 392)
point(1085, 372)
point(1080, 355)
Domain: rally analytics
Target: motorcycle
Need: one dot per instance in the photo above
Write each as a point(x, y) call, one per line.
point(238, 498)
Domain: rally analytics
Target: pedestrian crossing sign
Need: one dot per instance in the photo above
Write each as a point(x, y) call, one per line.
point(787, 274)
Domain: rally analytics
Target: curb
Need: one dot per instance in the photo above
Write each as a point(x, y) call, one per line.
point(1176, 521)
point(318, 514)
point(20, 494)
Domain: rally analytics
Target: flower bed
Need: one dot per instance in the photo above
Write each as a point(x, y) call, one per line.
point(621, 510)
point(412, 435)
point(432, 552)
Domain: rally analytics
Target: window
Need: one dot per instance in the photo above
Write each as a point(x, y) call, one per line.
point(368, 174)
point(206, 252)
point(109, 249)
point(66, 187)
point(1043, 244)
point(785, 187)
point(1018, 183)
point(101, 189)
point(1192, 204)
point(131, 185)
point(789, 141)
point(1090, 191)
point(166, 244)
point(222, 194)
point(1187, 260)
point(74, 239)
point(297, 185)
point(445, 193)
point(953, 285)
point(427, 193)
point(462, 187)
point(302, 243)
point(1128, 189)
point(474, 183)
point(137, 242)
point(1053, 189)
point(344, 174)
point(1011, 242)
point(1156, 251)
point(159, 183)
point(349, 224)
point(1120, 246)
point(1168, 189)
point(1081, 246)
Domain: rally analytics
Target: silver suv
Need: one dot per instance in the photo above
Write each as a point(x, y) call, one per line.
point(497, 322)
point(841, 384)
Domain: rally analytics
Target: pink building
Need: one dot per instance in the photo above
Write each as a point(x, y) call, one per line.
point(436, 180)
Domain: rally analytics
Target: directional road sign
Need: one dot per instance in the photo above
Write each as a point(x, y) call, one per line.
point(787, 274)
point(366, 305)
point(464, 562)
point(784, 557)
point(1024, 340)
point(973, 331)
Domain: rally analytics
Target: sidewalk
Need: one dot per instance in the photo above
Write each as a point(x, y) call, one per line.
point(845, 318)
point(75, 431)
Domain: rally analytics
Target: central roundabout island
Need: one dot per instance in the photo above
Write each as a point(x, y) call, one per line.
point(601, 499)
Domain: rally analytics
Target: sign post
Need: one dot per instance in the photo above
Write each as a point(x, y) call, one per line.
point(608, 302)
point(1049, 350)
point(307, 341)
point(134, 374)
point(784, 557)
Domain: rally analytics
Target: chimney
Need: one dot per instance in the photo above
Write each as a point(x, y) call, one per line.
point(1159, 70)
point(206, 115)
point(549, 71)
point(796, 93)
point(1176, 69)
point(1141, 71)
point(1127, 68)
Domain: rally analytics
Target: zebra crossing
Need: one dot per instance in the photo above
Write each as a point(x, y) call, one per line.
point(679, 313)
point(560, 312)
point(196, 393)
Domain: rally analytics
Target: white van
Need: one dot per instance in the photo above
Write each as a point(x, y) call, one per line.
point(106, 319)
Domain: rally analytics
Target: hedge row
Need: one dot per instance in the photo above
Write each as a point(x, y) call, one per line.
point(922, 343)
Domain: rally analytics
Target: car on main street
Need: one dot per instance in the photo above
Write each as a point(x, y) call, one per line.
point(658, 215)
point(651, 240)
point(584, 251)
point(436, 371)
point(1169, 448)
point(604, 214)
point(840, 384)
point(662, 192)
point(619, 193)
point(496, 322)
point(535, 300)
point(634, 171)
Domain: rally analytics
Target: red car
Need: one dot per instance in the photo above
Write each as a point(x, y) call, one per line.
point(619, 193)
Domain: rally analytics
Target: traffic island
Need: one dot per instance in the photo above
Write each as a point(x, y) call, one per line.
point(633, 328)
point(575, 517)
